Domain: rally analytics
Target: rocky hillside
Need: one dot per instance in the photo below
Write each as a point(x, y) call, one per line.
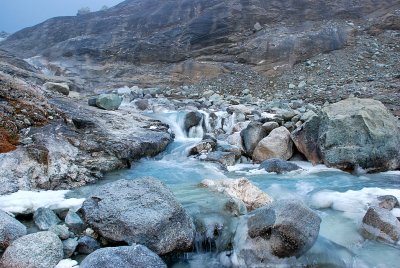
point(189, 40)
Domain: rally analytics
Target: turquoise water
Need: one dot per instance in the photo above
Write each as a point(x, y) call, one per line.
point(341, 200)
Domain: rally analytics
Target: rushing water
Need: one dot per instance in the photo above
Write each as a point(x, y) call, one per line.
point(341, 200)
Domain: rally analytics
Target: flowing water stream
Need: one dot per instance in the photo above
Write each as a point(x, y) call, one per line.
point(341, 200)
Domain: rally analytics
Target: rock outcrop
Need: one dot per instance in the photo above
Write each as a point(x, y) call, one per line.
point(142, 211)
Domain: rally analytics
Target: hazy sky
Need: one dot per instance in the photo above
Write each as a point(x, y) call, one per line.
point(18, 14)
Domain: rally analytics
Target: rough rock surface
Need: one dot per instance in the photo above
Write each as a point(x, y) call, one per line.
point(388, 202)
point(359, 132)
point(108, 101)
point(282, 229)
point(116, 212)
point(38, 250)
point(44, 218)
point(134, 256)
point(252, 135)
point(87, 245)
point(241, 189)
point(278, 166)
point(277, 144)
point(379, 223)
point(10, 229)
point(57, 87)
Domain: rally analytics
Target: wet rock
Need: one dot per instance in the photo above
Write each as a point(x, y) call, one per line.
point(60, 230)
point(39, 250)
point(192, 119)
point(388, 202)
point(44, 218)
point(10, 229)
point(74, 222)
point(116, 212)
point(277, 144)
point(235, 139)
point(224, 158)
point(252, 135)
point(278, 166)
point(108, 101)
point(359, 132)
point(134, 256)
point(57, 87)
point(235, 207)
point(204, 146)
point(230, 149)
point(306, 137)
point(282, 229)
point(69, 247)
point(87, 245)
point(241, 189)
point(379, 223)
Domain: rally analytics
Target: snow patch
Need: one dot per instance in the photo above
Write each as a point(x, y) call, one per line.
point(25, 202)
point(67, 263)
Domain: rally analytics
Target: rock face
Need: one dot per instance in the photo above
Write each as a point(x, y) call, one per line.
point(241, 189)
point(252, 135)
point(282, 229)
point(57, 87)
point(38, 250)
point(108, 101)
point(352, 133)
point(116, 212)
point(359, 132)
point(10, 229)
point(278, 166)
point(277, 144)
point(134, 256)
point(379, 223)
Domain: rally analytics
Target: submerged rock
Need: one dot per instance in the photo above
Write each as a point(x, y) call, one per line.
point(140, 211)
point(282, 229)
point(137, 256)
point(39, 250)
point(10, 229)
point(241, 189)
point(278, 166)
point(379, 223)
point(277, 144)
point(108, 101)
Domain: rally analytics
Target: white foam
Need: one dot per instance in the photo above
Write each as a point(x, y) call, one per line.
point(27, 202)
point(309, 168)
point(239, 167)
point(354, 204)
point(67, 263)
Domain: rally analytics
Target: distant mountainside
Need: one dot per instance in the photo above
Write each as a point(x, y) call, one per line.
point(197, 36)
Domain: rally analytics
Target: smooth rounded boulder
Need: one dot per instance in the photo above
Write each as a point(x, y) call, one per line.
point(136, 256)
point(277, 144)
point(10, 229)
point(284, 228)
point(142, 211)
point(278, 166)
point(38, 250)
point(108, 101)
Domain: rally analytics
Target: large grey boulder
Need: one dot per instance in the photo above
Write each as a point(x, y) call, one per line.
point(38, 250)
point(108, 101)
point(142, 211)
point(62, 88)
point(282, 229)
point(192, 118)
point(252, 135)
point(136, 256)
point(10, 229)
point(379, 223)
point(44, 218)
point(277, 144)
point(359, 132)
point(278, 166)
point(351, 133)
